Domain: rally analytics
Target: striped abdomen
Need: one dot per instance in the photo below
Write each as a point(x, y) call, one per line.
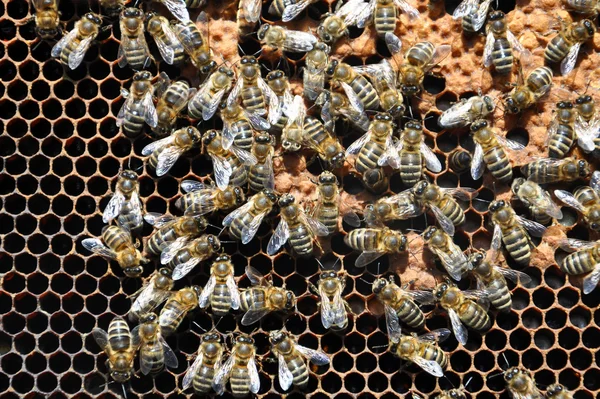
point(257, 176)
point(432, 352)
point(70, 47)
point(579, 262)
point(368, 156)
point(516, 241)
point(196, 202)
point(253, 298)
point(194, 3)
point(561, 141)
point(182, 256)
point(365, 91)
point(314, 130)
point(474, 316)
point(159, 240)
point(237, 224)
point(502, 55)
point(176, 94)
point(301, 240)
point(420, 54)
point(240, 381)
point(202, 381)
point(299, 370)
point(220, 300)
point(328, 215)
point(239, 175)
point(134, 121)
point(452, 210)
point(587, 196)
point(253, 99)
point(363, 239)
point(557, 49)
point(243, 136)
point(539, 77)
point(187, 32)
point(411, 167)
point(540, 215)
point(136, 57)
point(500, 298)
point(168, 323)
point(119, 337)
point(152, 354)
point(467, 23)
point(542, 172)
point(385, 19)
point(410, 313)
point(277, 7)
point(497, 163)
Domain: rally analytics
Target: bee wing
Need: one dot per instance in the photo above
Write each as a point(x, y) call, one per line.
point(170, 356)
point(182, 269)
point(513, 145)
point(410, 11)
point(586, 136)
point(534, 228)
point(444, 221)
point(569, 199)
point(326, 310)
point(390, 156)
point(359, 13)
point(222, 170)
point(207, 292)
point(172, 248)
point(254, 377)
point(298, 41)
point(223, 374)
point(178, 9)
point(132, 44)
point(275, 107)
point(126, 105)
point(466, 7)
point(439, 335)
point(440, 53)
point(164, 47)
point(159, 144)
point(338, 309)
point(460, 332)
point(257, 121)
point(136, 208)
point(354, 100)
point(210, 109)
point(367, 257)
point(316, 357)
point(96, 246)
point(487, 50)
point(233, 292)
point(285, 375)
point(514, 275)
point(244, 156)
point(188, 378)
point(573, 244)
point(514, 42)
point(167, 159)
point(59, 47)
point(254, 315)
point(269, 181)
point(157, 220)
point(358, 144)
point(432, 367)
point(431, 161)
point(595, 181)
point(234, 214)
point(114, 206)
point(150, 115)
point(76, 56)
point(480, 15)
point(235, 92)
point(149, 295)
point(393, 43)
point(255, 277)
point(101, 337)
point(291, 11)
point(249, 231)
point(191, 185)
point(568, 63)
point(461, 193)
point(424, 297)
point(252, 8)
point(591, 280)
point(352, 219)
point(453, 262)
point(496, 238)
point(392, 323)
point(457, 115)
point(279, 237)
point(477, 164)
point(317, 228)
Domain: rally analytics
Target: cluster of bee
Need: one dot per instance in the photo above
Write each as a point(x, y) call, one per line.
point(265, 118)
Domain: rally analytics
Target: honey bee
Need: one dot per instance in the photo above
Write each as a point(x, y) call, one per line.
point(47, 18)
point(117, 244)
point(295, 226)
point(490, 152)
point(229, 165)
point(313, 74)
point(323, 142)
point(177, 307)
point(172, 99)
point(512, 230)
point(182, 258)
point(239, 125)
point(336, 25)
point(292, 135)
point(558, 391)
point(125, 204)
point(195, 45)
point(547, 170)
point(528, 91)
point(500, 44)
point(358, 89)
point(169, 46)
point(473, 14)
point(279, 37)
point(206, 101)
point(208, 360)
point(177, 8)
point(280, 84)
point(155, 353)
point(290, 355)
point(327, 209)
point(412, 154)
point(152, 294)
point(170, 229)
point(401, 206)
point(221, 292)
point(453, 259)
point(400, 303)
point(165, 152)
point(201, 199)
point(587, 122)
point(493, 278)
point(423, 350)
point(566, 45)
point(584, 259)
point(112, 8)
point(374, 243)
point(460, 161)
point(251, 10)
point(333, 307)
point(562, 132)
point(537, 200)
point(384, 14)
point(240, 369)
point(289, 9)
point(586, 200)
point(520, 384)
point(72, 47)
point(466, 112)
point(585, 7)
point(260, 175)
point(138, 106)
point(334, 105)
point(133, 49)
point(263, 298)
point(384, 79)
point(244, 222)
point(120, 345)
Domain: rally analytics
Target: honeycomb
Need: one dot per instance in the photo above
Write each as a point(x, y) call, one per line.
point(61, 153)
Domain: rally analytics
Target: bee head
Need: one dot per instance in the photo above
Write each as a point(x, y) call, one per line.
point(429, 232)
point(489, 103)
point(270, 195)
point(290, 300)
point(150, 15)
point(322, 47)
point(478, 125)
point(244, 339)
point(286, 200)
point(328, 274)
point(331, 68)
point(327, 178)
point(516, 184)
point(222, 258)
point(200, 222)
point(554, 390)
point(383, 116)
point(226, 71)
point(214, 242)
point(397, 110)
point(412, 124)
point(440, 290)
point(497, 205)
point(196, 289)
point(583, 168)
point(95, 18)
point(263, 139)
point(456, 394)
point(129, 175)
point(410, 90)
point(121, 376)
point(133, 271)
point(564, 105)
point(132, 12)
point(148, 318)
point(379, 285)
point(420, 187)
point(337, 161)
point(262, 31)
point(496, 15)
point(276, 337)
point(142, 75)
point(274, 75)
point(510, 106)
point(516, 376)
point(589, 27)
point(209, 136)
point(248, 60)
point(240, 197)
point(208, 68)
point(585, 99)
point(211, 337)
point(477, 258)
point(165, 271)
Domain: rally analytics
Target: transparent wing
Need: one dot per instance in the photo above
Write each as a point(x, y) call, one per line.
point(252, 8)
point(454, 262)
point(360, 14)
point(190, 185)
point(326, 310)
point(430, 366)
point(352, 219)
point(182, 269)
point(285, 375)
point(457, 115)
point(409, 10)
point(390, 156)
point(444, 221)
point(382, 70)
point(568, 63)
point(315, 356)
point(569, 199)
point(291, 11)
point(114, 206)
point(487, 50)
point(233, 292)
point(587, 132)
point(96, 246)
point(439, 335)
point(534, 228)
point(338, 309)
point(461, 193)
point(223, 374)
point(367, 257)
point(76, 56)
point(275, 108)
point(101, 337)
point(254, 315)
point(59, 47)
point(254, 378)
point(255, 277)
point(211, 107)
point(298, 41)
point(233, 215)
point(244, 156)
point(573, 244)
point(595, 181)
point(157, 220)
point(392, 323)
point(513, 145)
point(222, 170)
point(164, 47)
point(355, 101)
point(393, 43)
point(167, 159)
point(150, 115)
point(178, 9)
point(439, 54)
point(550, 208)
point(477, 164)
point(317, 228)
point(279, 237)
point(207, 292)
point(257, 121)
point(431, 161)
point(249, 231)
point(235, 92)
point(514, 275)
point(480, 15)
point(496, 238)
point(188, 378)
point(170, 357)
point(514, 42)
point(149, 295)
point(460, 331)
point(591, 280)
point(150, 148)
point(125, 107)
point(466, 7)
point(358, 144)
point(424, 297)
point(172, 248)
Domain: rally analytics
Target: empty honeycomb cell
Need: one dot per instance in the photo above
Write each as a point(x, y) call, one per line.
point(7, 184)
point(86, 166)
point(25, 303)
point(49, 263)
point(532, 359)
point(507, 321)
point(14, 204)
point(27, 184)
point(13, 323)
point(18, 51)
point(5, 303)
point(26, 224)
point(87, 89)
point(109, 167)
point(591, 379)
point(588, 339)
point(555, 318)
point(35, 362)
point(39, 166)
point(568, 297)
point(46, 382)
point(17, 90)
point(51, 147)
point(59, 362)
point(520, 339)
point(554, 277)
point(49, 224)
point(72, 303)
point(13, 243)
point(29, 70)
point(11, 363)
point(37, 322)
point(543, 298)
point(49, 302)
point(571, 378)
point(342, 362)
point(22, 382)
point(460, 361)
point(98, 109)
point(483, 360)
point(61, 283)
point(495, 340)
point(354, 382)
point(7, 147)
point(70, 383)
point(518, 134)
point(590, 300)
point(378, 382)
point(36, 283)
point(40, 90)
point(581, 359)
point(62, 166)
point(28, 146)
point(580, 317)
point(15, 165)
point(75, 108)
point(568, 338)
point(52, 109)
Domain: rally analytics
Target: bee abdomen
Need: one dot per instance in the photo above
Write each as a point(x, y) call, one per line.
point(497, 162)
point(203, 380)
point(239, 177)
point(252, 298)
point(299, 371)
point(587, 196)
point(561, 142)
point(578, 263)
point(502, 56)
point(432, 352)
point(365, 240)
point(540, 77)
point(168, 325)
point(556, 50)
point(411, 167)
point(314, 130)
point(328, 215)
point(240, 382)
point(475, 316)
point(253, 99)
point(541, 216)
point(257, 176)
point(420, 54)
point(220, 300)
point(133, 122)
point(136, 58)
point(118, 334)
point(154, 356)
point(366, 92)
point(500, 298)
point(453, 211)
point(410, 313)
point(368, 157)
point(385, 20)
point(244, 135)
point(517, 245)
point(301, 240)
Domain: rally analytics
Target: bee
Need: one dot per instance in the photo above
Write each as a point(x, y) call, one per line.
point(587, 121)
point(279, 37)
point(195, 45)
point(561, 133)
point(500, 44)
point(384, 80)
point(473, 14)
point(520, 384)
point(358, 89)
point(512, 230)
point(244, 222)
point(229, 164)
point(112, 8)
point(133, 49)
point(460, 161)
point(239, 125)
point(263, 298)
point(221, 291)
point(177, 8)
point(585, 7)
point(566, 45)
point(295, 226)
point(450, 255)
point(558, 391)
point(466, 112)
point(423, 350)
point(490, 152)
point(208, 360)
point(537, 200)
point(374, 243)
point(165, 152)
point(336, 25)
point(290, 355)
point(413, 153)
point(240, 369)
point(323, 142)
point(401, 206)
point(172, 99)
point(206, 101)
point(334, 105)
point(384, 14)
point(289, 9)
point(528, 91)
point(177, 307)
point(169, 46)
point(547, 170)
point(292, 135)
point(327, 209)
point(333, 307)
point(125, 204)
point(255, 92)
point(138, 106)
point(155, 353)
point(418, 61)
point(152, 294)
point(400, 303)
point(120, 345)
point(117, 244)
point(493, 278)
point(260, 175)
point(313, 74)
point(201, 199)
point(170, 229)
point(182, 258)
point(279, 83)
point(249, 10)
point(586, 200)
point(47, 18)
point(72, 47)
point(585, 258)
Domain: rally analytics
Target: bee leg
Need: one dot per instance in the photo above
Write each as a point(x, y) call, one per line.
point(313, 288)
point(348, 308)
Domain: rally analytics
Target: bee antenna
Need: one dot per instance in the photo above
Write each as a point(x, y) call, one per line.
point(124, 391)
point(320, 264)
point(222, 230)
point(448, 379)
point(366, 281)
point(495, 375)
point(257, 54)
point(468, 382)
point(505, 359)
point(415, 230)
point(379, 346)
point(199, 326)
